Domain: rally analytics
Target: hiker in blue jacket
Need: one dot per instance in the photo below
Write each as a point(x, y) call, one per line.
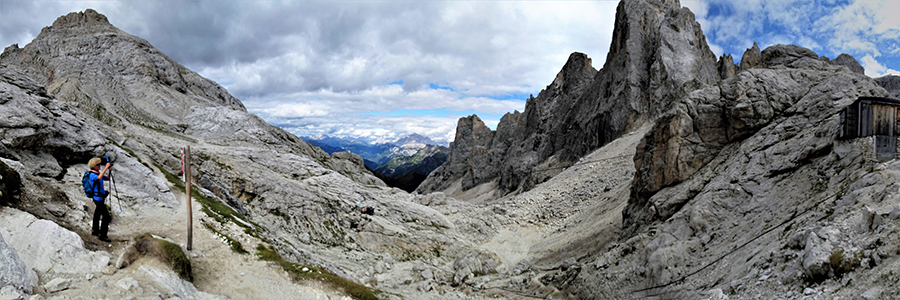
point(100, 212)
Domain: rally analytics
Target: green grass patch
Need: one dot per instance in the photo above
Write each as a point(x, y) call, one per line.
point(234, 244)
point(167, 252)
point(219, 211)
point(355, 290)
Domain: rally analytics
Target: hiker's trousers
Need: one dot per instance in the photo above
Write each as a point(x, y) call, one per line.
point(101, 214)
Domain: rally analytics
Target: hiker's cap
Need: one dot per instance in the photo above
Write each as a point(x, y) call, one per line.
point(93, 162)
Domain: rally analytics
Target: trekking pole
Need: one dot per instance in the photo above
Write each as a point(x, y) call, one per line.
point(113, 180)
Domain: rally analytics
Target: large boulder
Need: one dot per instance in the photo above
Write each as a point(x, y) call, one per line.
point(12, 269)
point(43, 245)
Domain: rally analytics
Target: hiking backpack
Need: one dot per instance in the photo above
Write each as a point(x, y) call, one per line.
point(88, 186)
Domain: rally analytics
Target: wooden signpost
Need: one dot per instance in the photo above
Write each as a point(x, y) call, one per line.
point(187, 184)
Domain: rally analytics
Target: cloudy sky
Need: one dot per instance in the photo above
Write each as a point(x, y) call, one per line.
point(384, 69)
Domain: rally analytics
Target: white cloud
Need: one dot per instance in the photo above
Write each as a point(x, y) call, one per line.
point(876, 69)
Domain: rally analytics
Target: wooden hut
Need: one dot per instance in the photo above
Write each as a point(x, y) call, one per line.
point(875, 117)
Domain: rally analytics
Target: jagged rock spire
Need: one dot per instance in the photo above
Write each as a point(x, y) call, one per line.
point(658, 54)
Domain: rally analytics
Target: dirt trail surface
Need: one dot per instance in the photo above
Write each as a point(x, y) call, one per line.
point(216, 267)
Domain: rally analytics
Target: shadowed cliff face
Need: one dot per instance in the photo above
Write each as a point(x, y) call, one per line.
point(658, 54)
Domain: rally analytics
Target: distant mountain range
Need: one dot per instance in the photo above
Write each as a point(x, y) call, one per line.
point(392, 160)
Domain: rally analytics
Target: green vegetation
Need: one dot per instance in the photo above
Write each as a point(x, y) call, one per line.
point(212, 208)
point(299, 272)
point(170, 253)
point(234, 244)
point(842, 265)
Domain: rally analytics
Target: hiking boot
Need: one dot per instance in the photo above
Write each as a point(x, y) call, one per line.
point(94, 233)
point(104, 238)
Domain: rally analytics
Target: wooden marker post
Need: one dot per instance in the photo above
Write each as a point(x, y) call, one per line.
point(187, 184)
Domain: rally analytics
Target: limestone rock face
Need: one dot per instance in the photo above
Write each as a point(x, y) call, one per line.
point(849, 62)
point(726, 66)
point(751, 58)
point(158, 91)
point(696, 131)
point(12, 269)
point(44, 245)
point(658, 54)
point(468, 153)
point(31, 119)
point(891, 83)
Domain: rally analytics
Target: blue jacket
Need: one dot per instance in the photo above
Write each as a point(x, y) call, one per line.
point(97, 184)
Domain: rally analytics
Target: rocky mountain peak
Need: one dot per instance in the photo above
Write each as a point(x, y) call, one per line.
point(658, 54)
point(847, 60)
point(576, 72)
point(751, 58)
point(84, 59)
point(87, 18)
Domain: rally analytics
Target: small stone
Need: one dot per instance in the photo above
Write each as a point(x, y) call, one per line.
point(100, 285)
point(305, 269)
point(129, 284)
point(10, 293)
point(808, 291)
point(57, 284)
point(871, 294)
point(427, 274)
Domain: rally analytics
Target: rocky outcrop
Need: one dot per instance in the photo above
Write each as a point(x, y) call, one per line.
point(31, 119)
point(751, 58)
point(467, 152)
point(45, 246)
point(12, 269)
point(159, 91)
point(726, 66)
point(693, 134)
point(658, 54)
point(848, 61)
point(891, 83)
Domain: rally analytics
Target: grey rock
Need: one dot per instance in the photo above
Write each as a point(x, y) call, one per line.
point(895, 213)
point(583, 109)
point(816, 256)
point(129, 284)
point(726, 67)
point(12, 270)
point(787, 55)
point(849, 62)
point(427, 274)
point(45, 245)
point(57, 284)
point(891, 83)
point(717, 294)
point(751, 58)
point(871, 294)
point(100, 285)
point(809, 291)
point(173, 285)
point(8, 292)
point(472, 264)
